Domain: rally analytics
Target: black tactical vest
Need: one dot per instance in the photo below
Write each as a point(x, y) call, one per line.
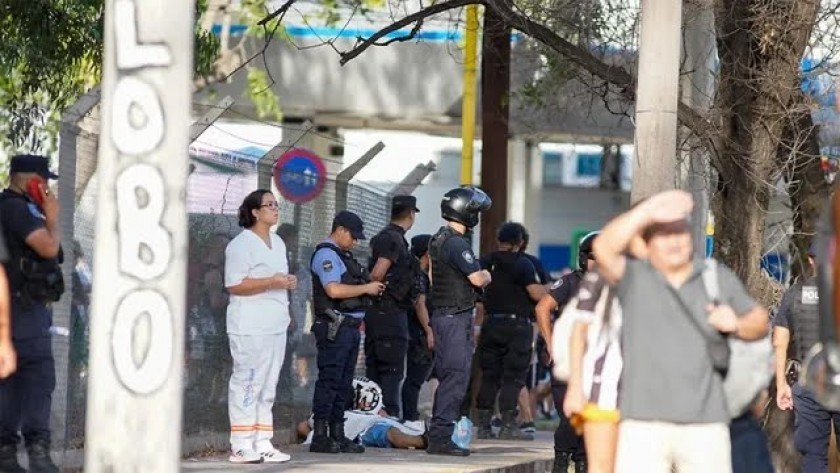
point(804, 318)
point(401, 288)
point(31, 277)
point(503, 295)
point(356, 275)
point(450, 288)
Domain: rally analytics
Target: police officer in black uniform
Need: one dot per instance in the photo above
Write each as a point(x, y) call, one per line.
point(795, 332)
point(456, 275)
point(504, 347)
point(568, 445)
point(421, 339)
point(342, 291)
point(30, 227)
point(386, 322)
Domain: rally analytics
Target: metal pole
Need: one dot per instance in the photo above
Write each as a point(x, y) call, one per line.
point(654, 163)
point(342, 180)
point(468, 101)
point(137, 340)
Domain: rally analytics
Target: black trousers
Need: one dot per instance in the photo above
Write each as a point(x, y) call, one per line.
point(26, 396)
point(566, 440)
point(418, 367)
point(504, 352)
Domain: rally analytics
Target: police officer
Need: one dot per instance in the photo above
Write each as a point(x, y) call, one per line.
point(30, 227)
point(455, 275)
point(504, 347)
point(421, 340)
point(386, 322)
point(341, 292)
point(568, 445)
point(795, 331)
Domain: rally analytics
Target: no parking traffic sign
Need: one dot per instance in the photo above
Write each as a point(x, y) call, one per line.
point(299, 175)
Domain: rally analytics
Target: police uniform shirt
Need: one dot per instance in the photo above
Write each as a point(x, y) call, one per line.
point(328, 266)
point(783, 318)
point(544, 276)
point(524, 272)
point(266, 313)
point(387, 245)
point(565, 288)
point(20, 218)
point(457, 252)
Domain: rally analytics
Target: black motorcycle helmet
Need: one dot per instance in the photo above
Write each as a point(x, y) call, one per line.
point(463, 204)
point(585, 250)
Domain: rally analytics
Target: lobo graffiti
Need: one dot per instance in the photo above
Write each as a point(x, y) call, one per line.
point(134, 400)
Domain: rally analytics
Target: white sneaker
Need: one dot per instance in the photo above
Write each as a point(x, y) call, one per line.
point(274, 456)
point(245, 455)
point(416, 425)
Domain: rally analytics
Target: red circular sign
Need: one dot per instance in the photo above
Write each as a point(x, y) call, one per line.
point(299, 175)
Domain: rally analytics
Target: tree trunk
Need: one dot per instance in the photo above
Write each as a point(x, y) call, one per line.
point(760, 44)
point(495, 90)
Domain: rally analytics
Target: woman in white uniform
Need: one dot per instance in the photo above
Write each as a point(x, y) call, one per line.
point(256, 276)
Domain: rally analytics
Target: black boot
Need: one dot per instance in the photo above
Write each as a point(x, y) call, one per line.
point(447, 448)
point(321, 442)
point(562, 461)
point(337, 434)
point(485, 430)
point(39, 458)
point(580, 466)
point(510, 429)
point(8, 460)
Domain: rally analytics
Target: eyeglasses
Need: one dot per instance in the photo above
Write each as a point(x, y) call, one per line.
point(271, 205)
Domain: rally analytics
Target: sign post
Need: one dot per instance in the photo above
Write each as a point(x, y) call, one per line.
point(138, 306)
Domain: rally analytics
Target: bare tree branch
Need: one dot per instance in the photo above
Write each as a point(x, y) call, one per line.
point(280, 11)
point(411, 35)
point(416, 17)
point(615, 75)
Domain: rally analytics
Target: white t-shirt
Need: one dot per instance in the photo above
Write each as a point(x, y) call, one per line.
point(247, 256)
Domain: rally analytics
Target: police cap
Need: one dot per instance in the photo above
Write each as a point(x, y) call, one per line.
point(400, 203)
point(351, 222)
point(31, 163)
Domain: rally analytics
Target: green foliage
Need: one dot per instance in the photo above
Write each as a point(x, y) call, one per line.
point(50, 55)
point(259, 91)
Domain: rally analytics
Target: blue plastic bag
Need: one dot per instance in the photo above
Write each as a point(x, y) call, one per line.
point(463, 432)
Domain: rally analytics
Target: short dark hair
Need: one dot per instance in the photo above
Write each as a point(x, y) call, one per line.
point(252, 201)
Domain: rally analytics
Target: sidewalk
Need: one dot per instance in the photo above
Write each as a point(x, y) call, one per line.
point(491, 456)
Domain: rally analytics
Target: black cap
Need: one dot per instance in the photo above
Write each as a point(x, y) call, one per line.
point(402, 202)
point(33, 163)
point(352, 222)
point(420, 244)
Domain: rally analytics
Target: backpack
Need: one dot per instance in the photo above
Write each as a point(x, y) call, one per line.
point(750, 362)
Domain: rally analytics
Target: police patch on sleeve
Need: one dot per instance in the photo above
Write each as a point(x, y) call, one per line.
point(327, 266)
point(468, 257)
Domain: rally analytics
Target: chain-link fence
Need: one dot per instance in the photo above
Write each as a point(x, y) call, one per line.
point(214, 194)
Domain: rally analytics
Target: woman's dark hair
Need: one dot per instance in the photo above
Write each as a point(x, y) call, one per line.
point(252, 201)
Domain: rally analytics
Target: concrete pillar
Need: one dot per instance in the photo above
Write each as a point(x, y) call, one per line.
point(524, 184)
point(654, 166)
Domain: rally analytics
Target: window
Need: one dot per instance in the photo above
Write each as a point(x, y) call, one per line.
point(552, 168)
